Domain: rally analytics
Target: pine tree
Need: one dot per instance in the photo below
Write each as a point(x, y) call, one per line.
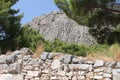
point(9, 25)
point(102, 16)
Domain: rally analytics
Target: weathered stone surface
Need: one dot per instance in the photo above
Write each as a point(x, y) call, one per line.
point(26, 51)
point(29, 68)
point(89, 75)
point(116, 74)
point(108, 70)
point(61, 73)
point(11, 77)
point(2, 59)
point(75, 60)
point(58, 25)
point(26, 57)
point(74, 67)
point(12, 57)
point(118, 65)
point(106, 75)
point(3, 68)
point(98, 77)
point(55, 64)
point(15, 68)
point(81, 78)
point(68, 58)
point(85, 67)
point(44, 55)
point(101, 69)
point(110, 64)
point(107, 79)
point(99, 63)
point(33, 73)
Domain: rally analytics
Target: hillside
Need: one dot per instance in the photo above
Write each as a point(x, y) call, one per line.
point(58, 25)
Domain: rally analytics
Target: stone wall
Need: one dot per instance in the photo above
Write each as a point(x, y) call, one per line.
point(20, 65)
point(57, 25)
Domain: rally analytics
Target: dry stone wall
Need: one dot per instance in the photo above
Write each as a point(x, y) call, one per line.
point(20, 65)
point(57, 25)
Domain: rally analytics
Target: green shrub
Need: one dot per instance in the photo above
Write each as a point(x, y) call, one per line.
point(60, 46)
point(79, 50)
point(30, 38)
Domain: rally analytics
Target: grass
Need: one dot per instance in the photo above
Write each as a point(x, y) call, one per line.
point(105, 52)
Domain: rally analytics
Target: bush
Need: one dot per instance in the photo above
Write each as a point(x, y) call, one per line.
point(60, 46)
point(30, 38)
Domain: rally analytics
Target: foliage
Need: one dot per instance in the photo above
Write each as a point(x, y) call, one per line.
point(9, 25)
point(29, 38)
point(60, 46)
point(99, 15)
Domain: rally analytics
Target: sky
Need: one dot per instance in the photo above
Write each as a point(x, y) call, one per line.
point(34, 8)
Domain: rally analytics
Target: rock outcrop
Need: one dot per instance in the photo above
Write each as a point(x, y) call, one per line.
point(56, 66)
point(58, 25)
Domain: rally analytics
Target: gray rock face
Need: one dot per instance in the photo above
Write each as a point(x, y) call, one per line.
point(58, 25)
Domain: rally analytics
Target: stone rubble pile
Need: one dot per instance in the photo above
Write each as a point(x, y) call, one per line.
point(20, 65)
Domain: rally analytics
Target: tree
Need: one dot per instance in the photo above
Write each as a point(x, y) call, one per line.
point(102, 16)
point(9, 25)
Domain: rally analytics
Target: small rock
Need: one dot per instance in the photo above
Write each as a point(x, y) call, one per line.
point(118, 65)
point(110, 64)
point(90, 62)
point(3, 68)
point(85, 67)
point(61, 73)
point(99, 63)
point(68, 58)
point(53, 78)
point(26, 51)
point(44, 55)
point(15, 68)
point(89, 75)
point(74, 67)
point(69, 73)
point(98, 77)
point(101, 69)
point(108, 70)
point(75, 60)
point(82, 73)
point(33, 73)
point(107, 79)
point(106, 75)
point(28, 67)
point(26, 57)
point(12, 57)
point(55, 64)
point(2, 59)
point(81, 78)
point(11, 77)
